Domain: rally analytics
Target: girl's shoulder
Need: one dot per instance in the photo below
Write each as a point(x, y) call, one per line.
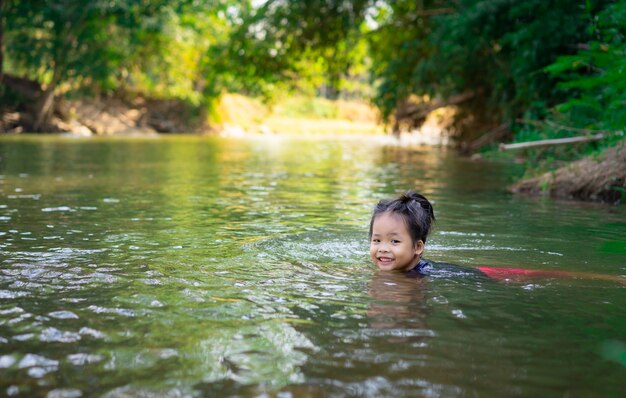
point(424, 267)
point(427, 267)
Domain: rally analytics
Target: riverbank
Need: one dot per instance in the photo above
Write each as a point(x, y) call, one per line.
point(230, 115)
point(602, 178)
point(599, 178)
point(123, 114)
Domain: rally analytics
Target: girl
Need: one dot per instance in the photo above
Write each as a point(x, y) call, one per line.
point(398, 232)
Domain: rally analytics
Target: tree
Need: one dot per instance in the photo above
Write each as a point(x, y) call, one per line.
point(66, 43)
point(275, 43)
point(496, 49)
point(399, 45)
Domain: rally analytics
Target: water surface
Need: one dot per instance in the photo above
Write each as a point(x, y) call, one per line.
point(195, 266)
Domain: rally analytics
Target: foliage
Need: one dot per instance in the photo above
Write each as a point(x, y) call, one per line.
point(74, 40)
point(591, 85)
point(495, 49)
point(280, 45)
point(173, 65)
point(594, 78)
point(399, 46)
point(158, 47)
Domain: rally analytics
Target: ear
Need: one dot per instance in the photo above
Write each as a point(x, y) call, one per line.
point(419, 248)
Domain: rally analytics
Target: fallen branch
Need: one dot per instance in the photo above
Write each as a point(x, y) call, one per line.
point(557, 141)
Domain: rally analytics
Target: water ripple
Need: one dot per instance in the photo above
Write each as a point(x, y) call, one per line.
point(55, 335)
point(65, 393)
point(81, 359)
point(32, 360)
point(10, 294)
point(119, 311)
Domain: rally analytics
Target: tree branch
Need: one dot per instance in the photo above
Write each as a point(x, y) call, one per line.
point(552, 142)
point(422, 110)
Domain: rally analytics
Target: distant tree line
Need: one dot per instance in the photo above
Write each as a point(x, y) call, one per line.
point(521, 70)
point(530, 69)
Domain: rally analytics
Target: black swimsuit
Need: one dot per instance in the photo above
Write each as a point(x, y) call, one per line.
point(421, 269)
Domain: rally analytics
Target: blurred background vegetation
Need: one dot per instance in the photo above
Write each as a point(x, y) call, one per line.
point(512, 70)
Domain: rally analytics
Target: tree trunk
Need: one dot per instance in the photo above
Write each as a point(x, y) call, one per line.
point(44, 108)
point(46, 104)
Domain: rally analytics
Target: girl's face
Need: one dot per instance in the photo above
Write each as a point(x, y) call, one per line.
point(391, 247)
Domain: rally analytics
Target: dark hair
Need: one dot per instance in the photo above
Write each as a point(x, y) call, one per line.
point(415, 209)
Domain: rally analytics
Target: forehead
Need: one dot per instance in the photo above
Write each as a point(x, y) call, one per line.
point(388, 223)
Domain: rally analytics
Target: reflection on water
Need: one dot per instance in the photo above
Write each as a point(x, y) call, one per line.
point(399, 304)
point(191, 266)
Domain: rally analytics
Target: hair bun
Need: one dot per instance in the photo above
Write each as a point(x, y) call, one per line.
point(409, 196)
point(406, 198)
point(421, 199)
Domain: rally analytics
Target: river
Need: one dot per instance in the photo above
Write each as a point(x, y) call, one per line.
point(191, 266)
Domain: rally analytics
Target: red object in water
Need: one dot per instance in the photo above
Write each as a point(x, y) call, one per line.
point(522, 274)
point(499, 273)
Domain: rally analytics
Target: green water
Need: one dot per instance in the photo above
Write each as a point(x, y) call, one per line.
point(194, 266)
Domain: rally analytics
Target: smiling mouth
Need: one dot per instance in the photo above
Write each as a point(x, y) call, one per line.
point(385, 260)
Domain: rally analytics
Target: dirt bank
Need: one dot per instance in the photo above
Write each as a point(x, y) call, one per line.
point(601, 178)
point(123, 114)
point(109, 116)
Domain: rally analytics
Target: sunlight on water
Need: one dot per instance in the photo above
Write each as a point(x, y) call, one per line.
point(191, 266)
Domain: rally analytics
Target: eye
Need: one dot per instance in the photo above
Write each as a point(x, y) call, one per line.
point(376, 240)
point(395, 241)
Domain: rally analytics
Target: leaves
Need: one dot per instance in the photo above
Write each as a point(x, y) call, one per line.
point(101, 45)
point(595, 77)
